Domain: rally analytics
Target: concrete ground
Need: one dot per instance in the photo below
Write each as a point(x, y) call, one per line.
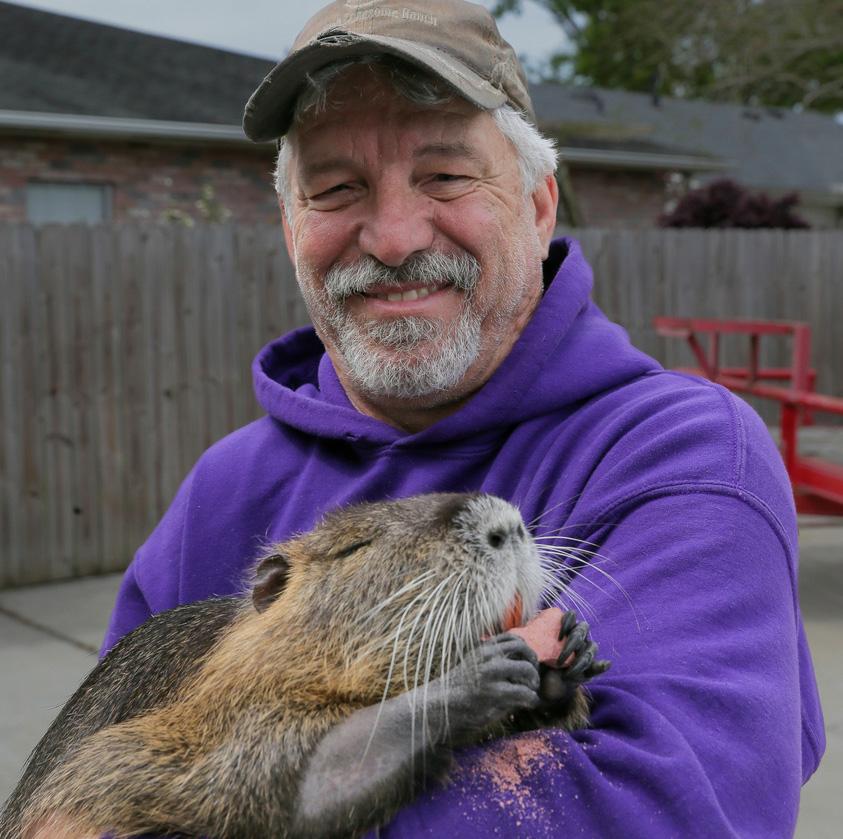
point(49, 636)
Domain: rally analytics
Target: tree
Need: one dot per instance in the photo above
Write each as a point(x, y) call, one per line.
point(724, 203)
point(768, 52)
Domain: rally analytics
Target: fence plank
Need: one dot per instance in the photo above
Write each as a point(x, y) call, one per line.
point(14, 326)
point(126, 353)
point(83, 430)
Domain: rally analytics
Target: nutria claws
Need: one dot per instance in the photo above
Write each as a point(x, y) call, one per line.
point(583, 666)
point(499, 678)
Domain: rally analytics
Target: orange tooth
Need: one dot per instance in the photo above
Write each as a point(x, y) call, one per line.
point(513, 615)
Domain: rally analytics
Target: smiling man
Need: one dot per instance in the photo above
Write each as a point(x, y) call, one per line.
point(394, 217)
point(455, 348)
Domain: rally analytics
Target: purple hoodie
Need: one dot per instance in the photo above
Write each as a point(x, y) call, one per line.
point(709, 720)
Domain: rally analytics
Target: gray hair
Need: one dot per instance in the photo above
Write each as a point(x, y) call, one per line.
point(536, 154)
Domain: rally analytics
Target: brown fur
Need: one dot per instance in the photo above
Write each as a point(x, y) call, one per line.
point(219, 746)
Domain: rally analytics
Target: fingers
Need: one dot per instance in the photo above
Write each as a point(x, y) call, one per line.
point(569, 620)
point(578, 659)
point(511, 646)
point(576, 641)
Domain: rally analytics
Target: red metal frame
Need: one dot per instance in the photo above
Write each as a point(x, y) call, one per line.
point(817, 484)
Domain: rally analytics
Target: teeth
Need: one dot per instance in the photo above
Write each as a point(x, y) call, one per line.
point(413, 294)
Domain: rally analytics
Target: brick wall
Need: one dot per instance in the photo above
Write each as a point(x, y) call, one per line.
point(147, 179)
point(614, 198)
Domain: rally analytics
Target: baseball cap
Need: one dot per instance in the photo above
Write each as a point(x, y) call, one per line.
point(456, 41)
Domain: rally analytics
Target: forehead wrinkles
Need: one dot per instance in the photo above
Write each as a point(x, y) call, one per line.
point(377, 139)
point(390, 127)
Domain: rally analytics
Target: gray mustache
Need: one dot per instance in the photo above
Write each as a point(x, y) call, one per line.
point(461, 270)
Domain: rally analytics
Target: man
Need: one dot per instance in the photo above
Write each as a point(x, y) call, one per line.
point(458, 349)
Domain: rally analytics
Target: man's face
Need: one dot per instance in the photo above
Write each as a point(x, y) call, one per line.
point(417, 252)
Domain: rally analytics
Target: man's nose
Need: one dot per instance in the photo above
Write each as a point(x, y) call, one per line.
point(397, 225)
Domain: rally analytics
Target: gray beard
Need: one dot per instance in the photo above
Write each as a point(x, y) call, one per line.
point(407, 357)
point(425, 358)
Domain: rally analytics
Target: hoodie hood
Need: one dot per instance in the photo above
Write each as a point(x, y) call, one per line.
point(567, 353)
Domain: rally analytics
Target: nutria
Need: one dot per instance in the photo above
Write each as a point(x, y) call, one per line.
point(323, 701)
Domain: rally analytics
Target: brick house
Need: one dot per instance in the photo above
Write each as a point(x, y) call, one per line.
point(630, 150)
point(102, 123)
point(99, 123)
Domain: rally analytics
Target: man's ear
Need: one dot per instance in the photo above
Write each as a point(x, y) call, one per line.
point(288, 232)
point(545, 200)
point(270, 579)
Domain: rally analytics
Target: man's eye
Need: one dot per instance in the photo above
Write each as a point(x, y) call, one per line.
point(334, 197)
point(332, 190)
point(445, 185)
point(350, 549)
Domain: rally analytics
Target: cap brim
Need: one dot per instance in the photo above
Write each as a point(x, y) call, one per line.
point(269, 111)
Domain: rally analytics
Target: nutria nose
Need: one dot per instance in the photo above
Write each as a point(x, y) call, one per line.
point(497, 537)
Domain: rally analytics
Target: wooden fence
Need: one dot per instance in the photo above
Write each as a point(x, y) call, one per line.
point(126, 352)
point(777, 275)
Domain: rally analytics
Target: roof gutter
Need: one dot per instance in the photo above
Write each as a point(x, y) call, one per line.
point(122, 128)
point(119, 127)
point(620, 159)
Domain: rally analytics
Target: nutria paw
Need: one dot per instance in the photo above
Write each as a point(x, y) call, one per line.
point(500, 678)
point(563, 703)
point(581, 649)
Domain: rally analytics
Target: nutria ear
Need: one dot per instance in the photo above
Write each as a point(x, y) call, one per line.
point(270, 579)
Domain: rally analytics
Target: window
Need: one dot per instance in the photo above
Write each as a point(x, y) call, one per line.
point(66, 203)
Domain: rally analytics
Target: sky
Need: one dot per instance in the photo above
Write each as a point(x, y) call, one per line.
point(266, 27)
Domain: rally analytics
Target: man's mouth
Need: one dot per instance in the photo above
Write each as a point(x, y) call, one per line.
point(401, 294)
point(413, 294)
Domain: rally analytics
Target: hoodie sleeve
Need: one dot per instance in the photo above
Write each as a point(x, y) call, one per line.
point(696, 728)
point(142, 595)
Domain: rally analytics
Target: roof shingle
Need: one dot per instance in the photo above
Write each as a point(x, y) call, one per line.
point(58, 64)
